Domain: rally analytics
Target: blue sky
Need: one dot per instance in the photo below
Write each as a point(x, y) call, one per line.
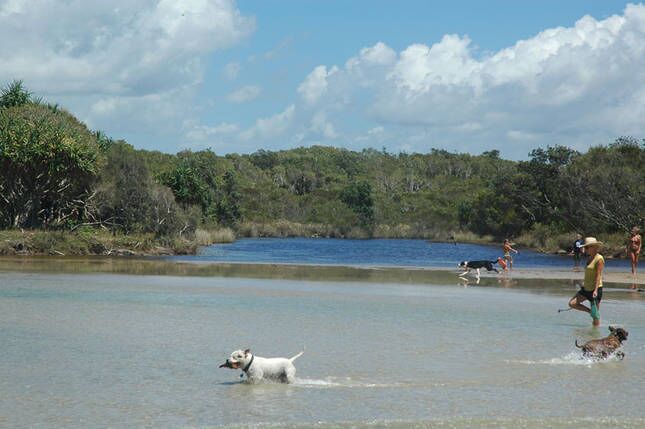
point(237, 76)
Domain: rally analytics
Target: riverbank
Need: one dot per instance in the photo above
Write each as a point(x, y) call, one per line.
point(540, 239)
point(92, 241)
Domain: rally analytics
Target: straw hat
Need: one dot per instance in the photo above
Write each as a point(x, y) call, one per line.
point(591, 241)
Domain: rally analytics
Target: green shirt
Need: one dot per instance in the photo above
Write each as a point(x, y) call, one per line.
point(590, 273)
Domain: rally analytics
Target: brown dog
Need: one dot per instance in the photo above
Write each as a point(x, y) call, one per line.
point(603, 347)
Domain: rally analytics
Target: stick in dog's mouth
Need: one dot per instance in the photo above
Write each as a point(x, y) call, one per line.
point(228, 364)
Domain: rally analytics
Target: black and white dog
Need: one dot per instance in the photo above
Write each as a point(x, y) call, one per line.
point(477, 265)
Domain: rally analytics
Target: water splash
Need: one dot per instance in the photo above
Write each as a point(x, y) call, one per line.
point(572, 358)
point(344, 382)
point(459, 423)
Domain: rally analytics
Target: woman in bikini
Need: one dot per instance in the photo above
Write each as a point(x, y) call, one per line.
point(634, 249)
point(507, 255)
point(592, 287)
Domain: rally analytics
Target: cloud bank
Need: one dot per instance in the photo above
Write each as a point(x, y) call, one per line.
point(122, 65)
point(580, 85)
point(136, 67)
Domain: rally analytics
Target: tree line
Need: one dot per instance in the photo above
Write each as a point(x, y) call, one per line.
point(58, 174)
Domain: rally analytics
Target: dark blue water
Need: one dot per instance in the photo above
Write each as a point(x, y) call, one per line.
point(378, 252)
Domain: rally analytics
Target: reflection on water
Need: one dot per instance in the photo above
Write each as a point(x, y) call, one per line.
point(86, 343)
point(395, 275)
point(374, 252)
point(152, 266)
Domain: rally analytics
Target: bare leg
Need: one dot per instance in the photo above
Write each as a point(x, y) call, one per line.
point(576, 303)
point(634, 258)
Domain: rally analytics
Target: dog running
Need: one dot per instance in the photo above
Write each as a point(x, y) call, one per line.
point(604, 347)
point(477, 265)
point(257, 368)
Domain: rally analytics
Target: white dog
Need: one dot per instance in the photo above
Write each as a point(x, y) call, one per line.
point(256, 368)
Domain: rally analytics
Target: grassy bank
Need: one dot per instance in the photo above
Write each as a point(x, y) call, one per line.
point(90, 241)
point(285, 228)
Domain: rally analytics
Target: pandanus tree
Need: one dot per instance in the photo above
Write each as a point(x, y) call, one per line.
point(14, 94)
point(48, 161)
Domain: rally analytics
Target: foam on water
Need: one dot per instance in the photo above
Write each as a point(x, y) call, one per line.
point(458, 423)
point(344, 382)
point(328, 382)
point(572, 358)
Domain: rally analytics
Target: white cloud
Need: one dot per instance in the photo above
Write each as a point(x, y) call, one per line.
point(579, 86)
point(119, 65)
point(149, 115)
point(271, 127)
point(315, 85)
point(244, 94)
point(446, 63)
point(120, 47)
point(321, 126)
point(521, 135)
point(379, 54)
point(138, 65)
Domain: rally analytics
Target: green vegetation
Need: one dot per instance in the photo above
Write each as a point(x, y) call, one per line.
point(59, 176)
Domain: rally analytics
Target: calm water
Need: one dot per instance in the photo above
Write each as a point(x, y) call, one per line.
point(119, 350)
point(406, 253)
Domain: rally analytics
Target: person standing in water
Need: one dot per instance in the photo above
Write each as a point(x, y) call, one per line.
point(577, 251)
point(592, 287)
point(634, 250)
point(507, 254)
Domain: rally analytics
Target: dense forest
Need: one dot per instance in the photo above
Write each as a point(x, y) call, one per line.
point(56, 174)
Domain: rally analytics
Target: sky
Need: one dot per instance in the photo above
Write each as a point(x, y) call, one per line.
point(407, 76)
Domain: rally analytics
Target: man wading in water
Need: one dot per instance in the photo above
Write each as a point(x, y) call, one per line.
point(592, 287)
point(577, 251)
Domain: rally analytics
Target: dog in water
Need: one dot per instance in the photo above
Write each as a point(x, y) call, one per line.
point(604, 347)
point(477, 265)
point(257, 368)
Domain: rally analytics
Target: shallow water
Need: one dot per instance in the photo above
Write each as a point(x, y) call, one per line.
point(119, 350)
point(378, 252)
